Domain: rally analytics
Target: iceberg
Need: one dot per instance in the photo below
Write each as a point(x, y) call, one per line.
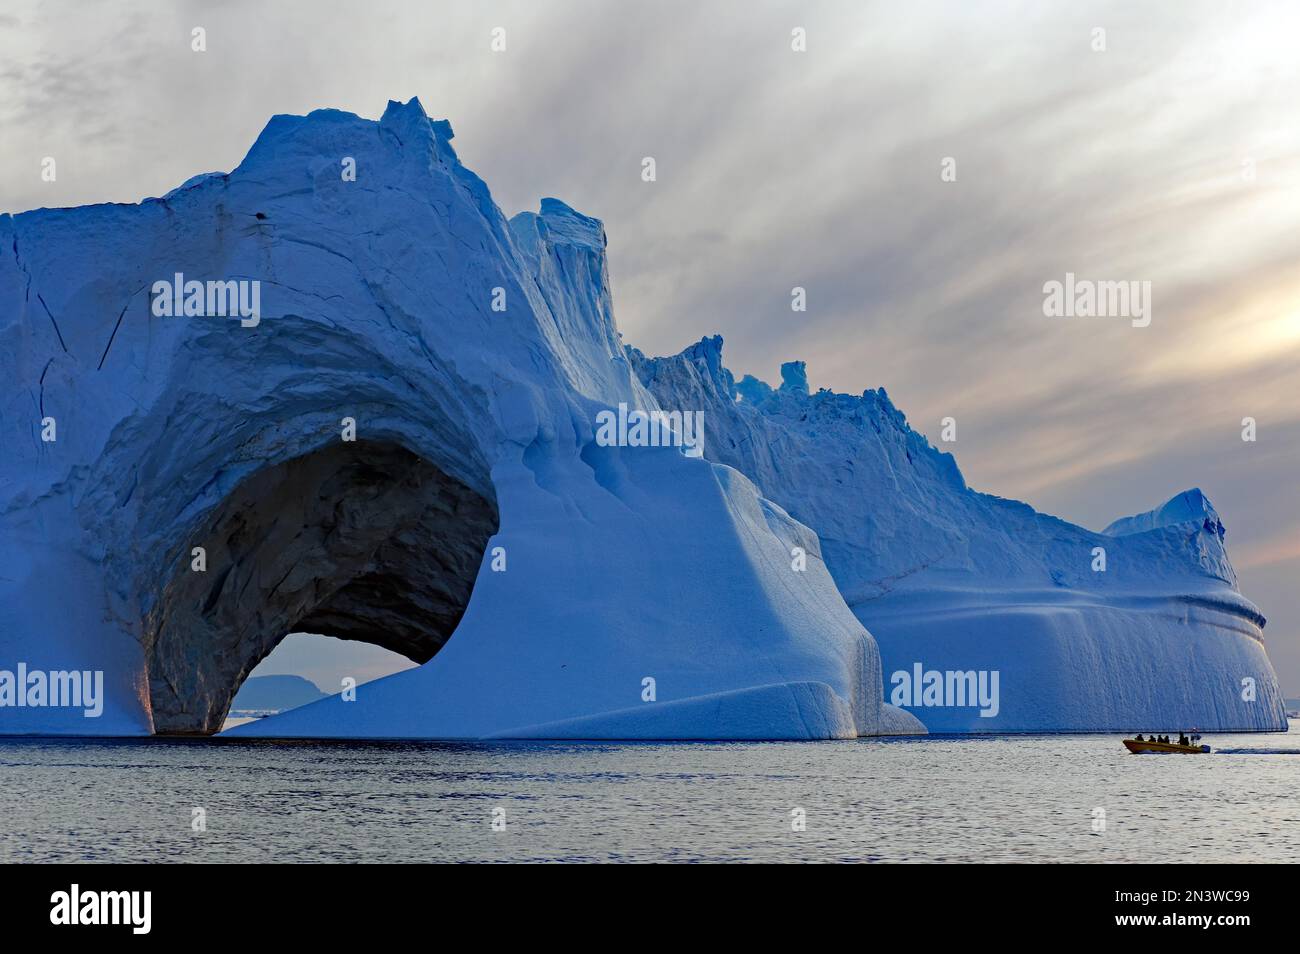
point(1141, 624)
point(403, 445)
point(336, 390)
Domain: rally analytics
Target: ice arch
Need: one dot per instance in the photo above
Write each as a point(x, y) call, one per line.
point(379, 304)
point(359, 540)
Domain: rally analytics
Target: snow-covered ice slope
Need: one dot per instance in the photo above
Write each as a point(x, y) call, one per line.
point(954, 580)
point(199, 499)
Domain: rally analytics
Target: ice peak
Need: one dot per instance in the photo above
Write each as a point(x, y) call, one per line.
point(397, 111)
point(563, 225)
point(708, 349)
point(794, 377)
point(1190, 506)
point(752, 390)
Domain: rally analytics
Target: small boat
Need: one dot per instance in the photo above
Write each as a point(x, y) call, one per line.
point(1138, 748)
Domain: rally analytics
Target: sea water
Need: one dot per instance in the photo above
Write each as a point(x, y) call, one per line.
point(1079, 798)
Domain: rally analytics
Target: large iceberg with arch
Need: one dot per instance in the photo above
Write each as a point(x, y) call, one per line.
point(336, 391)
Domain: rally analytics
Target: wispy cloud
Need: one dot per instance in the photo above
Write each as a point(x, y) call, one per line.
point(1173, 157)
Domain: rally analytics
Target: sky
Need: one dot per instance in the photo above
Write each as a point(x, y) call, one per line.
point(1164, 149)
point(327, 661)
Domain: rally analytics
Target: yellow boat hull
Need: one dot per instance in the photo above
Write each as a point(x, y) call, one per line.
point(1137, 747)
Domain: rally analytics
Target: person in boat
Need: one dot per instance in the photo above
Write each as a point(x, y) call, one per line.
point(1139, 738)
point(1182, 739)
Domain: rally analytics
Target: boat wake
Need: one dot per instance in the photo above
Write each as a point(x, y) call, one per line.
point(1257, 751)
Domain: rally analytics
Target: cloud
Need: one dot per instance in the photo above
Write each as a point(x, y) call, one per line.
point(1283, 548)
point(1172, 156)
